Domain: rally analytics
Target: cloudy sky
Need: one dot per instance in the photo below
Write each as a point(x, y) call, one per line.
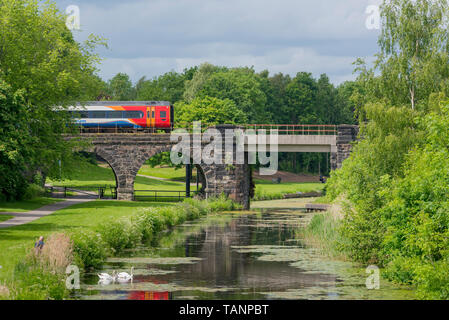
point(151, 37)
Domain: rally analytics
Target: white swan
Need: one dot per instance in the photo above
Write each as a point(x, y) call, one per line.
point(105, 277)
point(124, 276)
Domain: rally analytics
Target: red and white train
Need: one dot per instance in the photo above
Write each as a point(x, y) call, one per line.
point(156, 115)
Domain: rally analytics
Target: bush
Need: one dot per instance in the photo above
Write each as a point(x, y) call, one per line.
point(33, 283)
point(33, 191)
point(89, 249)
point(222, 203)
point(398, 212)
point(119, 235)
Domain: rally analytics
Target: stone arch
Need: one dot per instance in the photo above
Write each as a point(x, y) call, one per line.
point(152, 151)
point(126, 161)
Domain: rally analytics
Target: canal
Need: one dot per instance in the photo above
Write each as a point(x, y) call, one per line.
point(250, 255)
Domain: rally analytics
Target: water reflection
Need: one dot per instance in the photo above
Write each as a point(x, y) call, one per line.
point(236, 256)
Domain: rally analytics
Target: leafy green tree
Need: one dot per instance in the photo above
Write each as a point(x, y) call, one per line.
point(301, 98)
point(41, 63)
point(201, 75)
point(121, 88)
point(168, 87)
point(414, 48)
point(242, 86)
point(209, 110)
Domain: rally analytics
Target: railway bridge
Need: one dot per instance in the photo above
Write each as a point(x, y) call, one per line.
point(126, 153)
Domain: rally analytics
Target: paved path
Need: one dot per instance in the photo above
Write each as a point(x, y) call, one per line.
point(26, 217)
point(155, 178)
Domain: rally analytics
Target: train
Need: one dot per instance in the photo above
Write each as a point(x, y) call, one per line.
point(123, 115)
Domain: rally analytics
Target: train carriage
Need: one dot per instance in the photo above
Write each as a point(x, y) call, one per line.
point(157, 115)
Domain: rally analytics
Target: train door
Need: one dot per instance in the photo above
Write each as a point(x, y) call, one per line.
point(151, 121)
point(148, 116)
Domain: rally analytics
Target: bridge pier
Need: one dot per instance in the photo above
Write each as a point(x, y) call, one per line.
point(346, 134)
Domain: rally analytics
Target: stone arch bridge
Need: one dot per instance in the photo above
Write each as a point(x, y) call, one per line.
point(126, 153)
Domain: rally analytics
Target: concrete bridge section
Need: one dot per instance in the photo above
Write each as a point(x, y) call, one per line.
point(126, 153)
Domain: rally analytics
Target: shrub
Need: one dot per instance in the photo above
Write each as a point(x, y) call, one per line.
point(31, 282)
point(33, 191)
point(222, 203)
point(89, 248)
point(143, 225)
point(119, 235)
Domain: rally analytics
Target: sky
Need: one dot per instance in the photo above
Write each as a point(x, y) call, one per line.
point(151, 37)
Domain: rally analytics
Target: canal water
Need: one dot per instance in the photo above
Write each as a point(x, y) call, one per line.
point(251, 255)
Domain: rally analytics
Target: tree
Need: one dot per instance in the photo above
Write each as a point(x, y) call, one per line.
point(168, 87)
point(41, 63)
point(209, 110)
point(121, 88)
point(414, 48)
point(241, 85)
point(199, 78)
point(301, 100)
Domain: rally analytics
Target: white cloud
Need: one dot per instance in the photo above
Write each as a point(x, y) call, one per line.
point(153, 37)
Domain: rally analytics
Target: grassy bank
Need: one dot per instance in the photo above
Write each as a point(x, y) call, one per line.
point(95, 231)
point(26, 205)
point(267, 190)
point(322, 232)
point(4, 217)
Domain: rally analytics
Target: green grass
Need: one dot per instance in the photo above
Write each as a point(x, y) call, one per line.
point(322, 232)
point(90, 175)
point(164, 172)
point(266, 190)
point(322, 200)
point(16, 242)
point(5, 217)
point(26, 205)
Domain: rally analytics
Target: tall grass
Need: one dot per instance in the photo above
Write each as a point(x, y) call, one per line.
point(141, 227)
point(322, 232)
point(41, 275)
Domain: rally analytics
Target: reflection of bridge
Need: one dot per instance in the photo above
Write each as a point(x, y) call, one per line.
point(126, 153)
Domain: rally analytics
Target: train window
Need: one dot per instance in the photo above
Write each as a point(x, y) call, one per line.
point(115, 114)
point(133, 114)
point(163, 114)
point(98, 114)
point(152, 114)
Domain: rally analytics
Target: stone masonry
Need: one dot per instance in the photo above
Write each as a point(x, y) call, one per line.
point(126, 153)
point(347, 134)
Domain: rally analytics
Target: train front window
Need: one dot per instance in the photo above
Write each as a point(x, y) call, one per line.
point(163, 114)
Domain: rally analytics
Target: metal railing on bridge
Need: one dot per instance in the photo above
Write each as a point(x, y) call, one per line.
point(296, 129)
point(283, 129)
